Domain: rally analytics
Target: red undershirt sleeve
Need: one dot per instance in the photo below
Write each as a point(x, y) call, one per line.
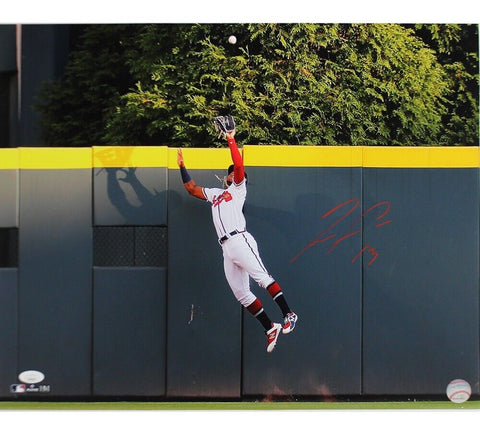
point(238, 169)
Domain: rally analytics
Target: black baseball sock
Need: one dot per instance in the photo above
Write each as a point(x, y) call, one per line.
point(282, 303)
point(265, 320)
point(256, 309)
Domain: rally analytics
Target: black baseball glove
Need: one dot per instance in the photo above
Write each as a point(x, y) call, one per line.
point(224, 125)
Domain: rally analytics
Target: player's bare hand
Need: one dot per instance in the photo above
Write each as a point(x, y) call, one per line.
point(180, 158)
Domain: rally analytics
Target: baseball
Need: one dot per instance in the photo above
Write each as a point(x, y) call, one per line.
point(232, 39)
point(459, 390)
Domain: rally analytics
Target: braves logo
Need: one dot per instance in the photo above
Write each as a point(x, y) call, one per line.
point(225, 196)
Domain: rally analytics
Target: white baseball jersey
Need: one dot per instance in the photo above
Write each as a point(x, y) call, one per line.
point(240, 252)
point(227, 205)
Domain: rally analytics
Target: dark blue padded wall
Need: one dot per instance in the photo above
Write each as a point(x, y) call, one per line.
point(8, 277)
point(204, 320)
point(9, 330)
point(55, 282)
point(284, 212)
point(421, 295)
point(129, 331)
point(381, 265)
point(130, 273)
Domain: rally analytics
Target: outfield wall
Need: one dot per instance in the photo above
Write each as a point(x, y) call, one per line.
point(112, 284)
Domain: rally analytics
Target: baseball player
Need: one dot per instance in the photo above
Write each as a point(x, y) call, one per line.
point(240, 252)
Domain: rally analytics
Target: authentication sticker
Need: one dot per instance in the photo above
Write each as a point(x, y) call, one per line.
point(31, 377)
point(30, 383)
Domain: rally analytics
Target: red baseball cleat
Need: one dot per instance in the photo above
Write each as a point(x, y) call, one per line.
point(272, 336)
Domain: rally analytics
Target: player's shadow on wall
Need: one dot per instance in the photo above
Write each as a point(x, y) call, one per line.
point(148, 203)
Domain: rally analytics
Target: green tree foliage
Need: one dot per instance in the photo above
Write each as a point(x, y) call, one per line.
point(457, 50)
point(309, 84)
point(74, 110)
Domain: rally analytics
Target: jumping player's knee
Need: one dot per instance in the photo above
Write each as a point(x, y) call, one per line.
point(266, 282)
point(246, 299)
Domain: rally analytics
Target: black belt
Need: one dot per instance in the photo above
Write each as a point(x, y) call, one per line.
point(227, 236)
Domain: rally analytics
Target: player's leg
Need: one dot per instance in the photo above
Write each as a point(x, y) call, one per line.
point(238, 280)
point(239, 283)
point(245, 254)
point(289, 317)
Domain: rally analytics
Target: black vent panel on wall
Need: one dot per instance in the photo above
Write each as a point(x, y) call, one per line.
point(8, 247)
point(130, 246)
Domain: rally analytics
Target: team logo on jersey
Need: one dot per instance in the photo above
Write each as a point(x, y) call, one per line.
point(225, 196)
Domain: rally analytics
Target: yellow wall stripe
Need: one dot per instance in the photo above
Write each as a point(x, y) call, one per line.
point(219, 158)
point(55, 158)
point(198, 158)
point(303, 156)
point(125, 157)
point(421, 157)
point(9, 158)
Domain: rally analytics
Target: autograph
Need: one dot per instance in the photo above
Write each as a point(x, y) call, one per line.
point(354, 229)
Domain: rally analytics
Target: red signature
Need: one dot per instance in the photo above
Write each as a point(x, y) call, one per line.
point(353, 230)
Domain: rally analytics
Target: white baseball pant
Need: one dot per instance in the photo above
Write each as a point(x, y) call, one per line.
point(241, 260)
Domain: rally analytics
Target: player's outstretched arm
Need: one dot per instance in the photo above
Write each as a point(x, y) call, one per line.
point(190, 185)
point(238, 169)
